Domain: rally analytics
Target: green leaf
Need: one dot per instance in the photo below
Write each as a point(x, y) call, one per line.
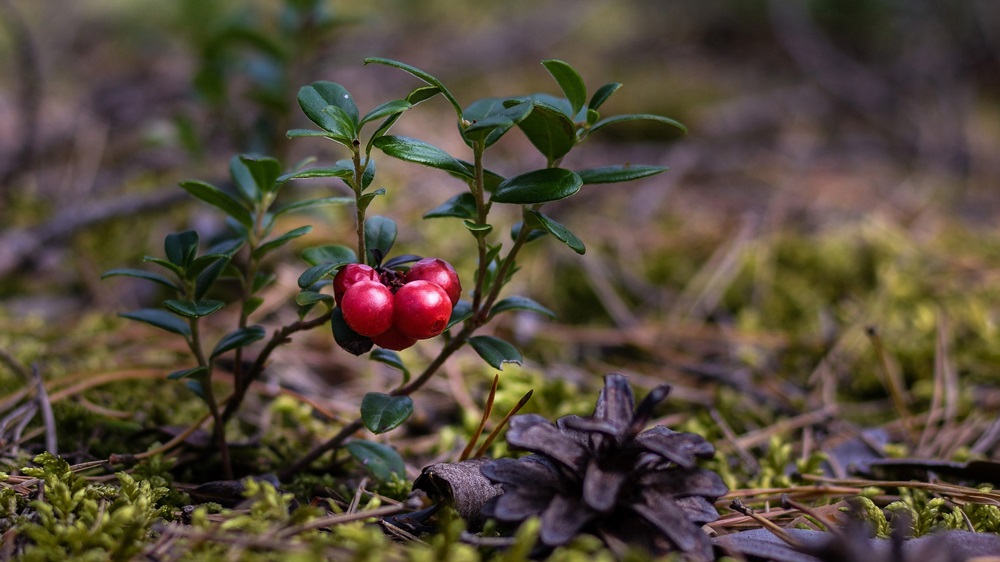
point(275, 243)
point(220, 200)
point(315, 101)
point(161, 319)
point(206, 278)
point(539, 186)
point(602, 94)
point(243, 179)
point(461, 312)
point(613, 174)
point(195, 386)
point(495, 351)
point(367, 174)
point(392, 359)
point(637, 117)
point(195, 309)
point(181, 248)
point(297, 133)
point(176, 269)
point(251, 305)
point(386, 109)
point(348, 340)
point(559, 231)
point(549, 129)
point(329, 254)
point(305, 298)
point(380, 234)
point(520, 303)
point(262, 280)
point(265, 171)
point(462, 206)
point(420, 152)
point(381, 460)
point(570, 81)
point(338, 170)
point(310, 203)
point(416, 72)
point(185, 373)
point(478, 229)
point(491, 118)
point(365, 200)
point(381, 412)
point(533, 234)
point(312, 275)
point(140, 274)
point(422, 94)
point(240, 337)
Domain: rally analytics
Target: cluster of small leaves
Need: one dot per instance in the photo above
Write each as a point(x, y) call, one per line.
point(77, 520)
point(929, 514)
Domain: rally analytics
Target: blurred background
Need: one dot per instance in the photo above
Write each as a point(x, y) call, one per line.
point(840, 168)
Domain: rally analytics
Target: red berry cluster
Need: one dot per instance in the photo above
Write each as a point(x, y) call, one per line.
point(396, 309)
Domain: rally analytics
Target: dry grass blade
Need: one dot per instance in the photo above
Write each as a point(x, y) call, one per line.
point(496, 430)
point(893, 383)
point(482, 422)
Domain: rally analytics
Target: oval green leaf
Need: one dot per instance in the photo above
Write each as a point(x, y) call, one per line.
point(348, 340)
point(569, 81)
point(461, 312)
point(140, 274)
point(462, 206)
point(495, 351)
point(420, 152)
point(310, 203)
point(306, 297)
point(416, 72)
point(380, 234)
point(265, 171)
point(238, 338)
point(329, 254)
point(602, 94)
point(381, 412)
point(520, 303)
point(386, 109)
point(637, 117)
point(614, 174)
point(392, 359)
point(161, 319)
point(539, 186)
point(381, 460)
point(220, 200)
point(197, 309)
point(181, 247)
point(550, 130)
point(338, 170)
point(314, 100)
point(185, 373)
point(562, 233)
point(275, 243)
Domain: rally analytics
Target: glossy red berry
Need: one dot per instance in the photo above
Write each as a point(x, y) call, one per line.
point(421, 309)
point(393, 339)
point(439, 272)
point(349, 275)
point(368, 308)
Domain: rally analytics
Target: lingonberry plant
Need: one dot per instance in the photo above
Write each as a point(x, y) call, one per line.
point(377, 300)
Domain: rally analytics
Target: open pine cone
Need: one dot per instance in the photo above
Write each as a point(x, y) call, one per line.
point(603, 474)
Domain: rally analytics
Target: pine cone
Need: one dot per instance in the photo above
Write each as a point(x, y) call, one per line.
point(603, 474)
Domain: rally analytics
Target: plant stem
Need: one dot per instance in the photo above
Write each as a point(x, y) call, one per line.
point(358, 187)
point(219, 423)
point(478, 190)
point(279, 337)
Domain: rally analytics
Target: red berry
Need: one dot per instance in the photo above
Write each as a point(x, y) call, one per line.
point(439, 272)
point(421, 309)
point(368, 308)
point(393, 339)
point(348, 276)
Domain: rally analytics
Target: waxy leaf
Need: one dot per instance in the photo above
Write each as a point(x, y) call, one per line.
point(349, 340)
point(310, 203)
point(559, 231)
point(197, 309)
point(367, 198)
point(140, 274)
point(570, 81)
point(161, 319)
point(386, 109)
point(420, 152)
point(206, 278)
point(533, 233)
point(220, 200)
point(613, 174)
point(381, 412)
point(539, 186)
point(305, 298)
point(195, 386)
point(602, 94)
point(392, 359)
point(460, 313)
point(381, 460)
point(297, 133)
point(342, 169)
point(462, 206)
point(238, 338)
point(185, 373)
point(312, 275)
point(550, 130)
point(243, 179)
point(330, 106)
point(396, 261)
point(637, 117)
point(416, 72)
point(495, 351)
point(490, 118)
point(380, 234)
point(520, 303)
point(329, 254)
point(275, 243)
point(174, 268)
point(180, 248)
point(264, 170)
